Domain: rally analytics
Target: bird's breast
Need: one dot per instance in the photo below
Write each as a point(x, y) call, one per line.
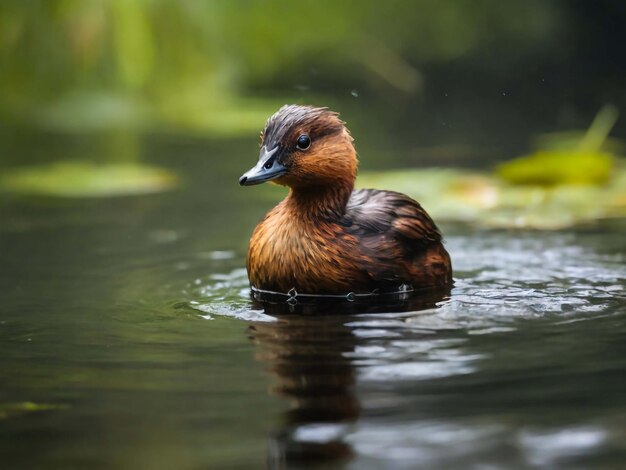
point(288, 253)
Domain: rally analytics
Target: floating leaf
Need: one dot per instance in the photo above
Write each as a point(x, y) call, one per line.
point(83, 179)
point(549, 168)
point(456, 195)
point(564, 161)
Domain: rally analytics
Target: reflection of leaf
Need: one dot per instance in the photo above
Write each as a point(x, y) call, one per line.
point(81, 179)
point(8, 410)
point(455, 195)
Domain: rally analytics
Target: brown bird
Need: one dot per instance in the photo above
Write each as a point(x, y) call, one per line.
point(325, 237)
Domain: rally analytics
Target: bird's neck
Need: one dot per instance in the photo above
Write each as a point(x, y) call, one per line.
point(320, 202)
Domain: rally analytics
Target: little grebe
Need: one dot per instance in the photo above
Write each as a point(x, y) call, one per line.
point(325, 237)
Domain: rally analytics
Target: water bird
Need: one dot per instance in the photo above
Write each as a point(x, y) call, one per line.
point(325, 237)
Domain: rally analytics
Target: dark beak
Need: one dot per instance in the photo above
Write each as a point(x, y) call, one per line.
point(267, 169)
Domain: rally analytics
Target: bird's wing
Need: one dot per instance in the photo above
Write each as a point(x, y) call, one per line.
point(392, 228)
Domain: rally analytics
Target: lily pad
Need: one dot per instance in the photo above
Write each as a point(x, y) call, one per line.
point(549, 168)
point(87, 180)
point(485, 200)
point(568, 182)
point(565, 160)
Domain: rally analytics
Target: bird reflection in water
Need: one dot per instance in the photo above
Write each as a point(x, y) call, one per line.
point(308, 353)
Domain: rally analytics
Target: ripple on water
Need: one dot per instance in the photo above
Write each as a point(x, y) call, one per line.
point(226, 295)
point(429, 444)
point(422, 376)
point(498, 278)
point(547, 447)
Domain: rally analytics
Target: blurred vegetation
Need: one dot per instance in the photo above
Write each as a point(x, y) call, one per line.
point(117, 70)
point(93, 64)
point(10, 410)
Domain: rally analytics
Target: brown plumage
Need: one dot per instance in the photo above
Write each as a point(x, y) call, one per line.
point(325, 237)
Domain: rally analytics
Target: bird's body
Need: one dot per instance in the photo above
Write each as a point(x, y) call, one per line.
point(327, 238)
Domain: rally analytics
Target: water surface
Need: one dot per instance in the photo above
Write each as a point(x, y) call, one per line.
point(131, 319)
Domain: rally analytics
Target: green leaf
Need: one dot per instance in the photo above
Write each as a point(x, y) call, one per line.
point(549, 168)
point(563, 159)
point(84, 180)
point(484, 200)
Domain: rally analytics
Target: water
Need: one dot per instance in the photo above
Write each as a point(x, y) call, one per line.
point(130, 320)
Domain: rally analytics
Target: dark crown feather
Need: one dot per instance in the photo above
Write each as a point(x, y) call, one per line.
point(292, 116)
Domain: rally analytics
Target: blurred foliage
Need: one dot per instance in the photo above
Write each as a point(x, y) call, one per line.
point(9, 410)
point(567, 161)
point(120, 68)
point(89, 64)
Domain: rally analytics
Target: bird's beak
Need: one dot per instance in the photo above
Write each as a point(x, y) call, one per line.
point(268, 168)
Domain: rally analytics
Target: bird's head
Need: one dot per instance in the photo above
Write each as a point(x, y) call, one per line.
point(303, 146)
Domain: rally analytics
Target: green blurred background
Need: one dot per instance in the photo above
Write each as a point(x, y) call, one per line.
point(124, 127)
point(421, 83)
point(464, 72)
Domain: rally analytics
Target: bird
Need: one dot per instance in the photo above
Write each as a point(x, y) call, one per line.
point(325, 237)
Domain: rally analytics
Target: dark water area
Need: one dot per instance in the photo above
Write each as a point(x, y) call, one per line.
point(131, 317)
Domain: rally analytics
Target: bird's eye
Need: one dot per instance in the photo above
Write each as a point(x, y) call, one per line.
point(304, 142)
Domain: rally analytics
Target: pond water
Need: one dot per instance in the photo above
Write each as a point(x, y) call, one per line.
point(129, 323)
